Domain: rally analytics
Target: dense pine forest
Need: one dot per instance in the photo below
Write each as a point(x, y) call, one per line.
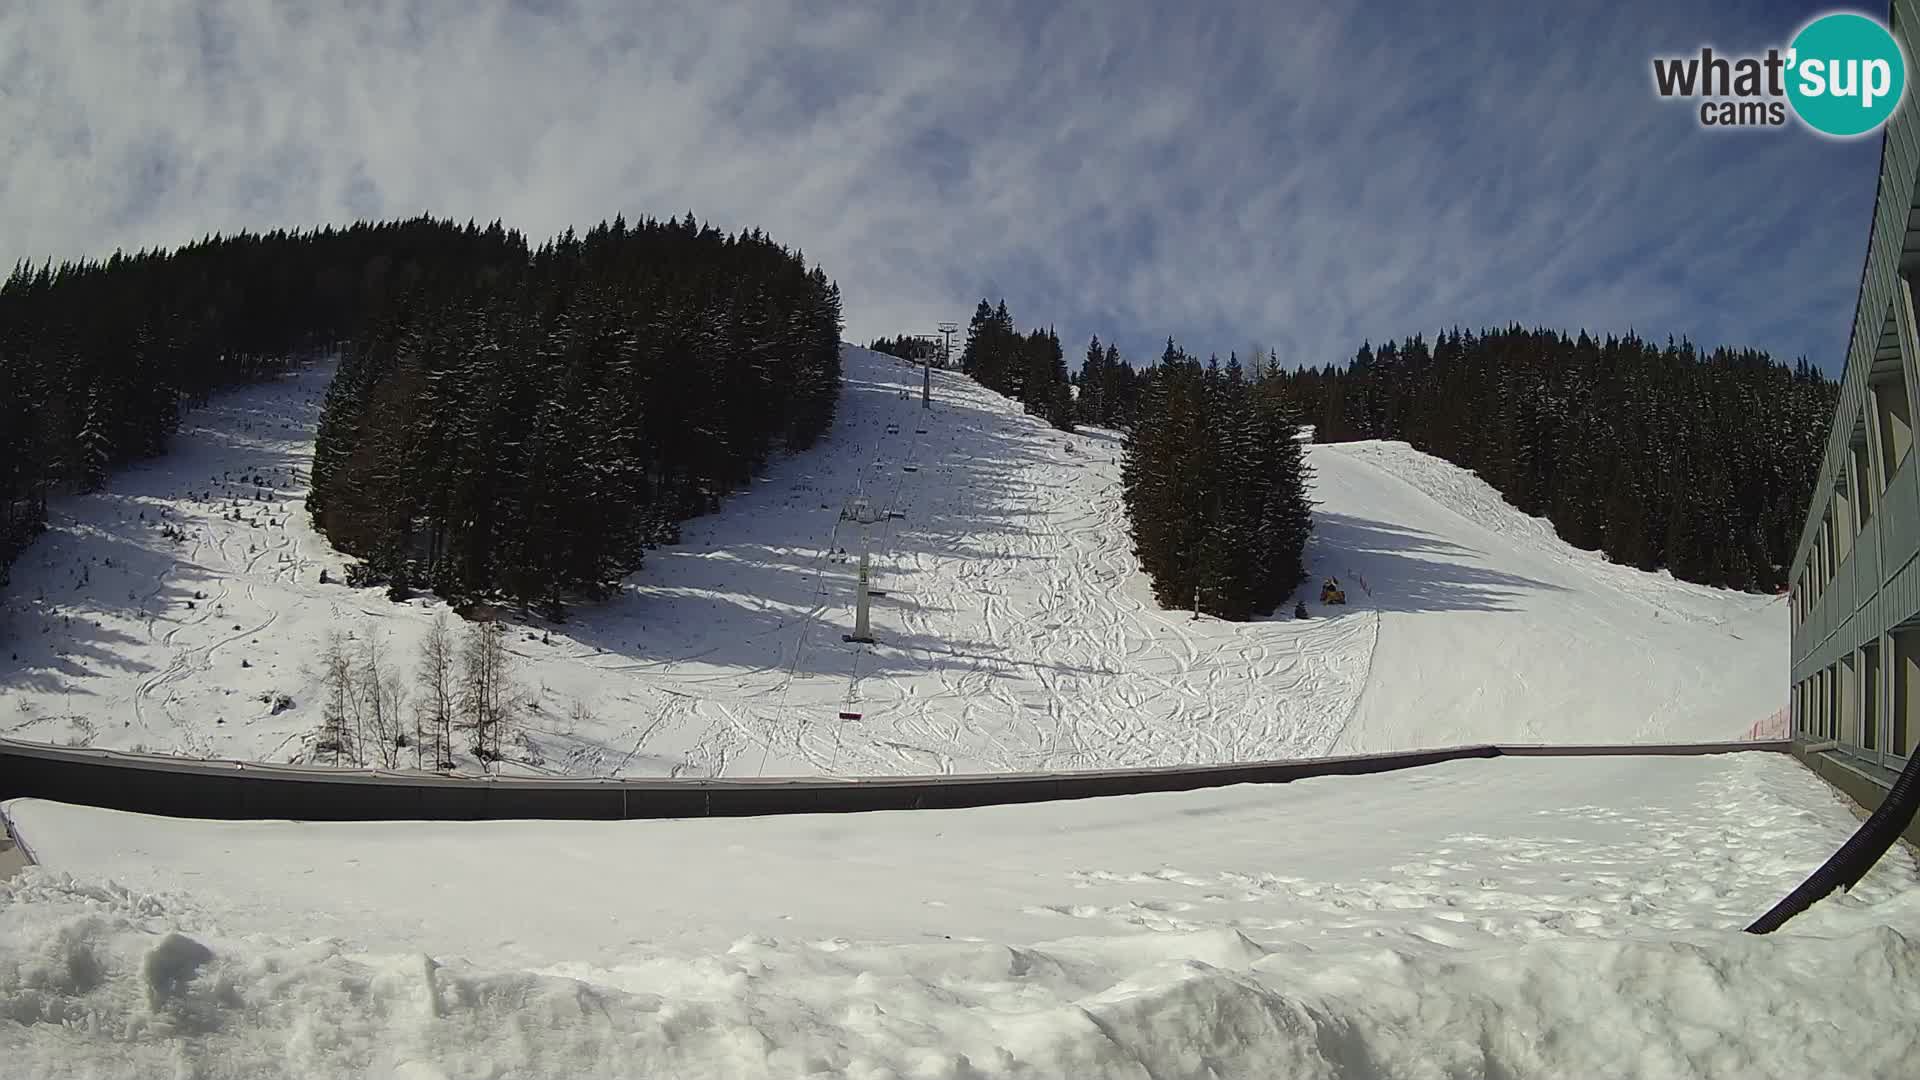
point(1029, 368)
point(1215, 487)
point(1106, 389)
point(1701, 463)
point(907, 347)
point(505, 421)
point(530, 434)
point(98, 358)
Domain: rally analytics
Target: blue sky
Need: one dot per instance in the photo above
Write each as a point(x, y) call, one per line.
point(1295, 176)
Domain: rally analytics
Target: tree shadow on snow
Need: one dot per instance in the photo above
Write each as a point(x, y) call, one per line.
point(729, 593)
point(1408, 570)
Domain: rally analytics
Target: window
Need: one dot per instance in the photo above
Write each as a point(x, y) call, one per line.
point(1865, 486)
point(1846, 702)
point(1830, 704)
point(1870, 697)
point(1906, 690)
point(1842, 522)
point(1896, 424)
point(1827, 546)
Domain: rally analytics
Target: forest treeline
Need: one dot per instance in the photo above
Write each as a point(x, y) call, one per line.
point(505, 421)
point(1669, 457)
point(527, 434)
point(1029, 368)
point(1702, 463)
point(99, 357)
point(907, 347)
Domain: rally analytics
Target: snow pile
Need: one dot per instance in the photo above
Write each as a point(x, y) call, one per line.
point(182, 610)
point(98, 992)
point(1517, 917)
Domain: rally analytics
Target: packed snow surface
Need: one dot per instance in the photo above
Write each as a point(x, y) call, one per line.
point(1510, 918)
point(181, 611)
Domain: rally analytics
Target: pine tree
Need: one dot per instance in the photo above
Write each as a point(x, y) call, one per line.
point(1090, 406)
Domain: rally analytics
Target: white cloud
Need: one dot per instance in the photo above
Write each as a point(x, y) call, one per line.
point(1305, 177)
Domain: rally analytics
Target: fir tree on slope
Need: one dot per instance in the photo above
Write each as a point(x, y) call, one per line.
point(1108, 386)
point(1091, 380)
point(1030, 368)
point(1214, 484)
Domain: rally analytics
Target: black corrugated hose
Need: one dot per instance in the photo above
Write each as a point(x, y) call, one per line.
point(1855, 857)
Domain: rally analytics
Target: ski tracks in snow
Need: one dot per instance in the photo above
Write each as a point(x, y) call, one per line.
point(1018, 633)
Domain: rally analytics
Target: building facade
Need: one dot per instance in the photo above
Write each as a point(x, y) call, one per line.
point(1855, 593)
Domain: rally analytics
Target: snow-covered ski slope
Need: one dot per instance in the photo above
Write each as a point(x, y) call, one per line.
point(1534, 919)
point(1015, 631)
point(1491, 628)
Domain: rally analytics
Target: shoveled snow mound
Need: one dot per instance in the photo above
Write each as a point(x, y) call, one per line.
point(1015, 631)
point(1512, 917)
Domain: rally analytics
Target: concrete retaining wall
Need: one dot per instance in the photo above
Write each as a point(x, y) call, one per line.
point(182, 787)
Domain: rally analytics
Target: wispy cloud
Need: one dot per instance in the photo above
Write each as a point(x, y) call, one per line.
point(1303, 176)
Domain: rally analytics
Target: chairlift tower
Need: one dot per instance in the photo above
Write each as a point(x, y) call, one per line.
point(947, 330)
point(860, 510)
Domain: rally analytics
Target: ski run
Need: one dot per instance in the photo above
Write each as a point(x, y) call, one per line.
point(181, 611)
point(1513, 917)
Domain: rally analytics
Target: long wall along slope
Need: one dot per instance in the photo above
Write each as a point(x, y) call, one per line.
point(1856, 577)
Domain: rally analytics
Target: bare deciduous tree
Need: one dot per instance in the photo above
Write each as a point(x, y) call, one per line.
point(486, 688)
point(382, 696)
point(336, 715)
point(579, 716)
point(436, 676)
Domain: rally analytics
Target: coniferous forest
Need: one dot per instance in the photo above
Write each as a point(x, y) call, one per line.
point(1029, 368)
point(906, 347)
point(1702, 463)
point(530, 434)
point(504, 421)
point(1106, 388)
point(98, 358)
point(1214, 483)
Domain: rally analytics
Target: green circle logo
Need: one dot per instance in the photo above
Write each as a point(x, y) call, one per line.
point(1846, 74)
